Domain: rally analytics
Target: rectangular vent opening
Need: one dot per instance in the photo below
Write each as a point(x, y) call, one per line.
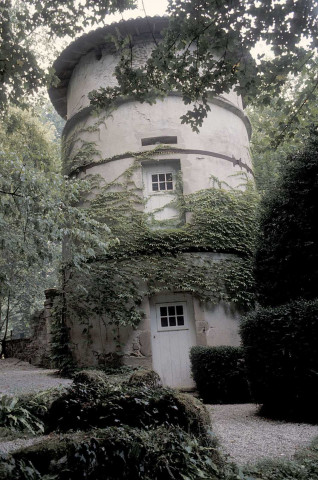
point(158, 140)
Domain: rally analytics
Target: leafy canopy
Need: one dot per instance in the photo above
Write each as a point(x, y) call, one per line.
point(20, 70)
point(37, 209)
point(206, 51)
point(287, 256)
point(282, 127)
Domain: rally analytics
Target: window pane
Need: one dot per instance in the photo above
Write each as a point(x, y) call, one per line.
point(155, 187)
point(162, 186)
point(164, 322)
point(171, 310)
point(169, 186)
point(169, 177)
point(180, 321)
point(154, 178)
point(163, 311)
point(162, 177)
point(172, 321)
point(179, 310)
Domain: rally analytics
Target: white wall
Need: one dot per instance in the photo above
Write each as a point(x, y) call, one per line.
point(223, 132)
point(91, 74)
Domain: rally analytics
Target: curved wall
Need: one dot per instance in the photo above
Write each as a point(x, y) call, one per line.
point(223, 133)
point(221, 149)
point(93, 72)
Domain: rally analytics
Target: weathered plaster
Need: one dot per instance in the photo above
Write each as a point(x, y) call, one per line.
point(225, 131)
point(92, 73)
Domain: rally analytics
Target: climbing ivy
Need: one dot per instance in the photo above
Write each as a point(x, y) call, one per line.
point(209, 256)
point(148, 258)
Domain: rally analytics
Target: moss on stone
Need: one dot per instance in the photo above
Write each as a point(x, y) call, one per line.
point(145, 377)
point(196, 413)
point(91, 377)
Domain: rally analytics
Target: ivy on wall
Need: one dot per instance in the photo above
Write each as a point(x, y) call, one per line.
point(152, 256)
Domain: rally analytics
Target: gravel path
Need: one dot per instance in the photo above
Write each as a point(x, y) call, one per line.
point(17, 377)
point(246, 438)
point(243, 436)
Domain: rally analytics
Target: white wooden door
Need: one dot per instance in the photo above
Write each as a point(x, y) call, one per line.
point(173, 334)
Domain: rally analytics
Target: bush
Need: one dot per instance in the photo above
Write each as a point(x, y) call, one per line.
point(281, 354)
point(85, 406)
point(38, 404)
point(287, 256)
point(15, 417)
point(219, 373)
point(117, 453)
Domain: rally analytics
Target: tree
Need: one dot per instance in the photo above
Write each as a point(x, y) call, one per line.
point(37, 210)
point(205, 51)
point(20, 71)
point(287, 255)
point(282, 127)
point(29, 161)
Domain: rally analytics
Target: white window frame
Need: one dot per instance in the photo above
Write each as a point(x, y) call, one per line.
point(166, 166)
point(166, 191)
point(176, 327)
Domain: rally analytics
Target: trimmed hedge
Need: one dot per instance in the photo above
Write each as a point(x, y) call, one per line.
point(282, 359)
point(219, 373)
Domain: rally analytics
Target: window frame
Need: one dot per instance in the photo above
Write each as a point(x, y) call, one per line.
point(175, 304)
point(156, 168)
point(165, 181)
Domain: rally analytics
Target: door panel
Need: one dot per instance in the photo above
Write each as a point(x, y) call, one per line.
point(171, 342)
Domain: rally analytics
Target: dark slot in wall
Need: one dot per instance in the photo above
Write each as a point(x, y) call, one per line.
point(158, 140)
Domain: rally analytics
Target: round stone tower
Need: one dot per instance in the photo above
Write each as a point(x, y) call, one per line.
point(171, 168)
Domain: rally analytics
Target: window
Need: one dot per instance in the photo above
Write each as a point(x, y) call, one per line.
point(160, 189)
point(161, 182)
point(171, 316)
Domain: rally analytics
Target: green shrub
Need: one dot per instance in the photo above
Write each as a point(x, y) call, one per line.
point(92, 378)
point(219, 373)
point(14, 416)
point(86, 406)
point(118, 453)
point(281, 354)
point(286, 261)
point(39, 403)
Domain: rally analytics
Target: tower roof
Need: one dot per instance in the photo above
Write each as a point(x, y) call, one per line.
point(95, 40)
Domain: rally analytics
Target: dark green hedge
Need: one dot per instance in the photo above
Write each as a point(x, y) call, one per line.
point(286, 263)
point(219, 373)
point(281, 349)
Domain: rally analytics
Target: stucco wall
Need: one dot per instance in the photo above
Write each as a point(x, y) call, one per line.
point(214, 325)
point(93, 72)
point(223, 133)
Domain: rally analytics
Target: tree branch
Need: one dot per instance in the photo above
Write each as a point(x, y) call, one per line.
point(14, 194)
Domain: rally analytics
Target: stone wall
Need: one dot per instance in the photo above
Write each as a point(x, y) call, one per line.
point(36, 349)
point(18, 348)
